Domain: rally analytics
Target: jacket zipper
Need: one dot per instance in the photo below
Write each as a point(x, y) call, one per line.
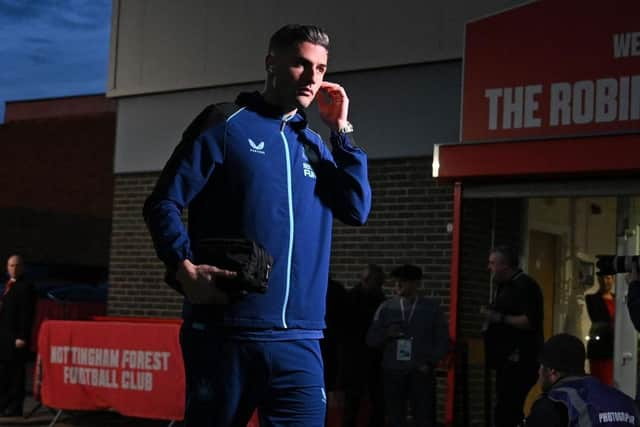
point(291, 223)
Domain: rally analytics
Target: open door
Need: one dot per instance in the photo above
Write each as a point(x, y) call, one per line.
point(542, 266)
point(543, 256)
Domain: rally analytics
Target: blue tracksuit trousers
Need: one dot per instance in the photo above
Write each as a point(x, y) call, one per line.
point(228, 378)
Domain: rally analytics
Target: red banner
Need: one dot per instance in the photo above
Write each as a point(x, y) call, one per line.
point(553, 68)
point(134, 368)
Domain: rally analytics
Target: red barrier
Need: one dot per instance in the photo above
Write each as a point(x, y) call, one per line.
point(135, 368)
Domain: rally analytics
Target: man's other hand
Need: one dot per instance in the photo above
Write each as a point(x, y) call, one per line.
point(199, 282)
point(394, 331)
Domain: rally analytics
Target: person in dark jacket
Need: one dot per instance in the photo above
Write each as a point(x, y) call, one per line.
point(331, 345)
point(412, 332)
point(571, 398)
point(362, 364)
point(17, 306)
point(513, 336)
point(601, 307)
point(254, 170)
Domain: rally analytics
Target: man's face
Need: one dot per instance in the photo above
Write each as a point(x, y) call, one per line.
point(365, 279)
point(405, 288)
point(607, 282)
point(296, 74)
point(498, 268)
point(546, 377)
point(14, 267)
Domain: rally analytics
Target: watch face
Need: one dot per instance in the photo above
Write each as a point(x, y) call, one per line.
point(348, 127)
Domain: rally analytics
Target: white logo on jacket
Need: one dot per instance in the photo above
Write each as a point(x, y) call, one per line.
point(308, 171)
point(256, 148)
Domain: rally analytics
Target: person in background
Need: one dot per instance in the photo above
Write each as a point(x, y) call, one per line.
point(412, 332)
point(331, 344)
point(601, 307)
point(362, 364)
point(17, 306)
point(571, 398)
point(514, 334)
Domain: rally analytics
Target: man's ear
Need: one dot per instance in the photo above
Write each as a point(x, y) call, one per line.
point(269, 62)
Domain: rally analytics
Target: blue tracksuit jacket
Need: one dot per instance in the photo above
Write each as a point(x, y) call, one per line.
point(245, 171)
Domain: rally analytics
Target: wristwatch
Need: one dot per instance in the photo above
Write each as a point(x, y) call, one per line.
point(347, 128)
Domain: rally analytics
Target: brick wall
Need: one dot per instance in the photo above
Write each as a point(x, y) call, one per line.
point(135, 273)
point(45, 237)
point(57, 191)
point(407, 225)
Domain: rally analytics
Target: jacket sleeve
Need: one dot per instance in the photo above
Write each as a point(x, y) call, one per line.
point(344, 180)
point(633, 303)
point(182, 178)
point(376, 335)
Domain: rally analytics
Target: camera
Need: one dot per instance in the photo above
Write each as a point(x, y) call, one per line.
point(613, 264)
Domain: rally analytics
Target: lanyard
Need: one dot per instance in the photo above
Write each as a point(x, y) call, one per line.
point(413, 309)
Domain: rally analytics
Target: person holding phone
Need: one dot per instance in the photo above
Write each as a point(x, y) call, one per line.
point(253, 169)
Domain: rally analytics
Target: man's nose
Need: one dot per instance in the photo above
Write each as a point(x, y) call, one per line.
point(312, 75)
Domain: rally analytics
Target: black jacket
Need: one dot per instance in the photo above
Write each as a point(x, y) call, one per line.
point(16, 319)
point(600, 345)
point(520, 295)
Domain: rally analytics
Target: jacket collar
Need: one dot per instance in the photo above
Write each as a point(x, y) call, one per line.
point(254, 101)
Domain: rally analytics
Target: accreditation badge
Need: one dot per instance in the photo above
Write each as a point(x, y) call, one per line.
point(403, 349)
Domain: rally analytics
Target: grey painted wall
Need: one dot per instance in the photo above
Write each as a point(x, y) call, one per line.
point(397, 112)
point(165, 45)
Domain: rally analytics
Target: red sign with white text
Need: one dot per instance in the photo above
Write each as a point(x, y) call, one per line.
point(553, 68)
point(134, 368)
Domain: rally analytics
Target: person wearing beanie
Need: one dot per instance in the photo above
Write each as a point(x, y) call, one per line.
point(412, 333)
point(571, 398)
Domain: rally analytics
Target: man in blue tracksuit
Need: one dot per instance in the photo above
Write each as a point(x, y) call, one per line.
point(254, 170)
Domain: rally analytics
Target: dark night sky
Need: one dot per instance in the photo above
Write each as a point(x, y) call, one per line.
point(52, 48)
